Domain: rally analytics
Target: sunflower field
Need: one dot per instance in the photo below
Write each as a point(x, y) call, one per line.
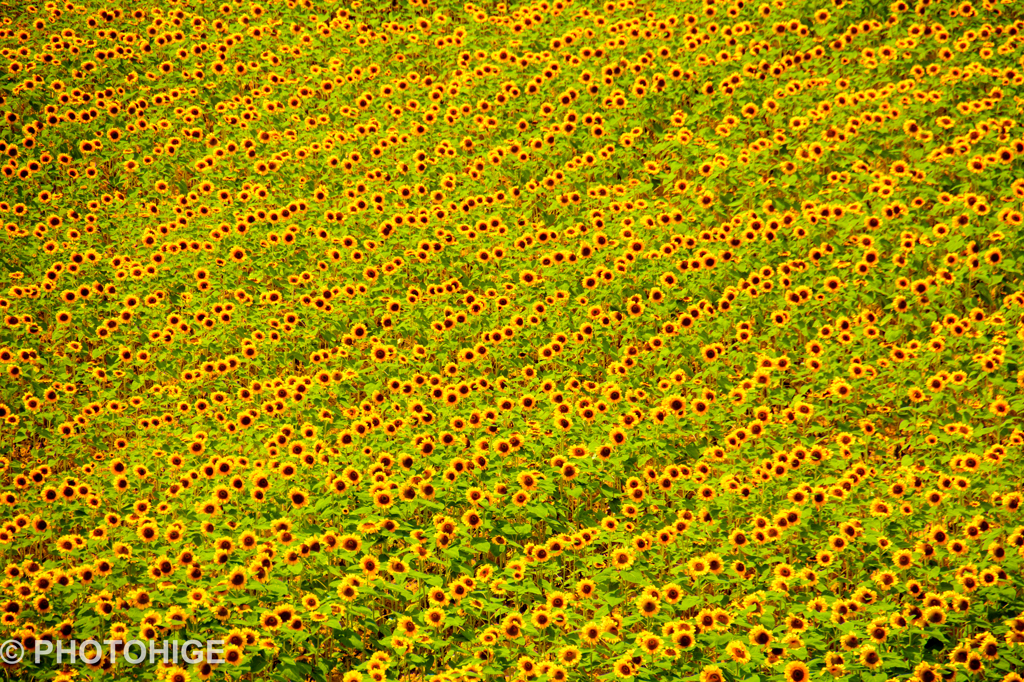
point(559, 340)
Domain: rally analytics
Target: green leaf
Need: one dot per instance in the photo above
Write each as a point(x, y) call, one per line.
point(258, 662)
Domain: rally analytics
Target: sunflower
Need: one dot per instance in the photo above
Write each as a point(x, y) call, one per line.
point(672, 593)
point(870, 658)
point(759, 636)
point(624, 668)
point(797, 671)
point(347, 591)
point(569, 655)
point(934, 615)
point(590, 633)
point(903, 559)
point(622, 559)
point(434, 617)
point(711, 673)
point(738, 652)
point(528, 277)
point(696, 567)
point(648, 606)
point(298, 497)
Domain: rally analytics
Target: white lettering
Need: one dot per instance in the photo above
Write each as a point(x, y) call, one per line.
point(87, 644)
point(40, 645)
point(187, 647)
point(63, 651)
point(112, 648)
point(215, 646)
point(164, 653)
point(135, 659)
